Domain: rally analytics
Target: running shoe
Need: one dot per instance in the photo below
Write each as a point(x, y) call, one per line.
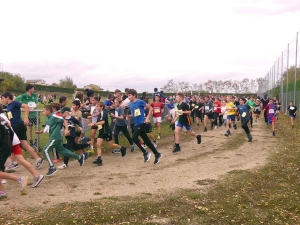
point(123, 151)
point(176, 149)
point(37, 180)
point(98, 162)
point(132, 148)
point(3, 194)
point(198, 139)
point(12, 166)
point(51, 171)
point(39, 164)
point(147, 156)
point(116, 151)
point(22, 181)
point(63, 166)
point(81, 159)
point(157, 158)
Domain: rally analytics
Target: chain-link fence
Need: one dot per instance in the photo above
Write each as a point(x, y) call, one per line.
point(282, 80)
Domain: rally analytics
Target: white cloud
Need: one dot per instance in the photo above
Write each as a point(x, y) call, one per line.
point(142, 44)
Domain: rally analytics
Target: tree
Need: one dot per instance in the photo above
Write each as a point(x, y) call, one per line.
point(11, 82)
point(170, 87)
point(67, 83)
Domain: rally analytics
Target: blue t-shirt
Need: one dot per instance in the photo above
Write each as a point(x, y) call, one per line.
point(137, 111)
point(244, 112)
point(14, 109)
point(107, 103)
point(120, 112)
point(171, 106)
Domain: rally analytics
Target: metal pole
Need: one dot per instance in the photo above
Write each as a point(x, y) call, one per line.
point(282, 81)
point(287, 75)
point(295, 69)
point(38, 128)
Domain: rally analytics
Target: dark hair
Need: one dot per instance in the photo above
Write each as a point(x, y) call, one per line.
point(96, 98)
point(155, 89)
point(79, 95)
point(109, 96)
point(1, 108)
point(118, 100)
point(76, 102)
point(8, 94)
point(48, 108)
point(126, 89)
point(117, 91)
point(29, 86)
point(101, 104)
point(89, 92)
point(62, 99)
point(55, 106)
point(132, 92)
point(146, 99)
point(180, 94)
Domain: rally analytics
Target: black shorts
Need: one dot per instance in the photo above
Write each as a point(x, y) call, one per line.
point(148, 128)
point(94, 127)
point(106, 136)
point(209, 115)
point(21, 131)
point(257, 112)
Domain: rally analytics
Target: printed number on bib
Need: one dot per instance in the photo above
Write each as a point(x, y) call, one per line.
point(244, 114)
point(156, 110)
point(31, 105)
point(137, 112)
point(193, 105)
point(99, 127)
point(271, 110)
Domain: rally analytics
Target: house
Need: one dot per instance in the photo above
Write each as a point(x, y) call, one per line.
point(93, 87)
point(40, 82)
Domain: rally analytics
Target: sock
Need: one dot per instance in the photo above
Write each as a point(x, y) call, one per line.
point(92, 147)
point(159, 134)
point(177, 145)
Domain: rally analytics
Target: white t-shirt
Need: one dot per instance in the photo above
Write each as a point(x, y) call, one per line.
point(16, 140)
point(224, 111)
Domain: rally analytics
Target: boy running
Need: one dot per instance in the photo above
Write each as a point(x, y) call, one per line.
point(271, 110)
point(137, 111)
point(53, 126)
point(292, 112)
point(184, 121)
point(158, 110)
point(244, 111)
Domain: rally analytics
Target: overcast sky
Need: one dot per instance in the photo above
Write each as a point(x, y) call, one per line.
point(143, 44)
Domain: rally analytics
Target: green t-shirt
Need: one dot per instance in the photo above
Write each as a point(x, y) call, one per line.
point(252, 104)
point(31, 101)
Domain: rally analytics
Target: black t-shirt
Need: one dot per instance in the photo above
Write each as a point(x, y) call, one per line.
point(105, 127)
point(124, 97)
point(208, 107)
point(265, 102)
point(292, 109)
point(184, 118)
point(192, 104)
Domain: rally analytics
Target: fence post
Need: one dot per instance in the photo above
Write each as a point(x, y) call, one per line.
point(38, 128)
point(295, 68)
point(282, 80)
point(287, 74)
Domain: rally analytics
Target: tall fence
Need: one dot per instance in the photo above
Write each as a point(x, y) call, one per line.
point(282, 79)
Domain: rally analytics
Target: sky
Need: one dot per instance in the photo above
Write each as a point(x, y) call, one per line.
point(143, 44)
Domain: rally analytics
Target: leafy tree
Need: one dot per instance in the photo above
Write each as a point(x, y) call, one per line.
point(67, 83)
point(11, 82)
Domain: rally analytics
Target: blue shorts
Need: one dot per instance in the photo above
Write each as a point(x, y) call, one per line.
point(187, 127)
point(231, 117)
point(292, 116)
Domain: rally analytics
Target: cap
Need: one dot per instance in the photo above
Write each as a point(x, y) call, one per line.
point(65, 109)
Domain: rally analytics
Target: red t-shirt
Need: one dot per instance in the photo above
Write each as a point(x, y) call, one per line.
point(217, 107)
point(157, 108)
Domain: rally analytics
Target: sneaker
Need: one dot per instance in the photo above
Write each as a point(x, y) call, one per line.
point(3, 194)
point(39, 164)
point(86, 155)
point(198, 125)
point(216, 127)
point(157, 158)
point(158, 137)
point(205, 129)
point(98, 162)
point(132, 148)
point(3, 181)
point(229, 125)
point(176, 149)
point(12, 166)
point(123, 151)
point(147, 156)
point(81, 160)
point(51, 171)
point(227, 133)
point(235, 127)
point(250, 138)
point(198, 139)
point(22, 181)
point(63, 166)
point(91, 151)
point(273, 133)
point(155, 145)
point(116, 151)
point(56, 160)
point(37, 180)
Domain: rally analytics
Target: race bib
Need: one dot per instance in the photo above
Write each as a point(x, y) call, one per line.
point(292, 108)
point(92, 110)
point(116, 113)
point(156, 110)
point(244, 114)
point(99, 127)
point(9, 115)
point(31, 105)
point(196, 107)
point(193, 105)
point(206, 108)
point(137, 112)
point(271, 110)
point(215, 108)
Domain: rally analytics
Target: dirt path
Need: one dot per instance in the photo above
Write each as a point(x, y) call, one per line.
point(118, 176)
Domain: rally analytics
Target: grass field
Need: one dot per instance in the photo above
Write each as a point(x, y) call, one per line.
point(268, 195)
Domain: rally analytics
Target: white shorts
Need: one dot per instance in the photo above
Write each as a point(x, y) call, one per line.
point(156, 119)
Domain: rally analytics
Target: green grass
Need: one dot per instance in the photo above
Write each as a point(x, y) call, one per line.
point(269, 195)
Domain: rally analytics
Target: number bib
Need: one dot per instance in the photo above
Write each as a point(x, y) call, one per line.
point(271, 110)
point(137, 112)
